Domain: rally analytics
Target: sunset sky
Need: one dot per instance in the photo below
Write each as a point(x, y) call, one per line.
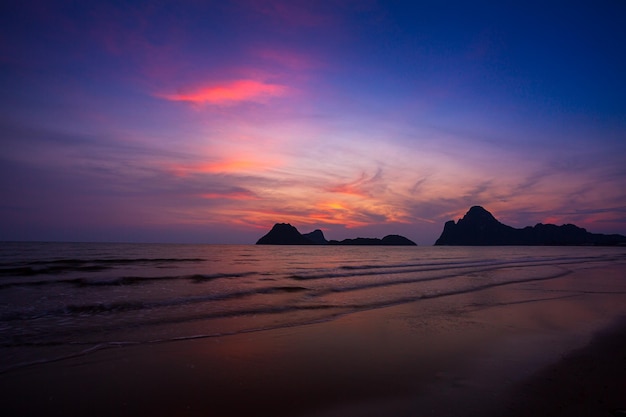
point(209, 121)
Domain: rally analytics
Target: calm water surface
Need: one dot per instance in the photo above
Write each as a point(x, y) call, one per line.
point(63, 299)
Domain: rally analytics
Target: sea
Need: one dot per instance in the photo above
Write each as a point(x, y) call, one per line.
point(62, 300)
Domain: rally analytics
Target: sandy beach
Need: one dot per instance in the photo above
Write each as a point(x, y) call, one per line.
point(502, 351)
point(590, 381)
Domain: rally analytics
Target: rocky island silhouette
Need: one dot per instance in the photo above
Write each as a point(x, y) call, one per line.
point(477, 228)
point(286, 234)
point(480, 228)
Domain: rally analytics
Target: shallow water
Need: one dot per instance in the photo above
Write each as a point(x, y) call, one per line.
point(59, 300)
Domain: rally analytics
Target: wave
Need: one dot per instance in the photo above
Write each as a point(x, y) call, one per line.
point(98, 309)
point(352, 285)
point(57, 266)
point(333, 312)
point(297, 296)
point(98, 346)
point(84, 310)
point(369, 270)
point(129, 280)
point(61, 266)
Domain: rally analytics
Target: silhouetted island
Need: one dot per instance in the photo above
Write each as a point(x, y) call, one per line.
point(316, 236)
point(389, 240)
point(479, 228)
point(286, 234)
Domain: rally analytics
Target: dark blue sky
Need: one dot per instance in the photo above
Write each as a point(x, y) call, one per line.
point(209, 121)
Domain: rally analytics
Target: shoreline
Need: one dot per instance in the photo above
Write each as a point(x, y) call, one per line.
point(501, 351)
point(590, 381)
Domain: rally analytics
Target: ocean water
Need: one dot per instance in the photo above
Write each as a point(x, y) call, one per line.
point(60, 300)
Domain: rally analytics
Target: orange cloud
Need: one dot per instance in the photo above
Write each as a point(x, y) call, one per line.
point(350, 189)
point(237, 165)
point(229, 93)
point(229, 166)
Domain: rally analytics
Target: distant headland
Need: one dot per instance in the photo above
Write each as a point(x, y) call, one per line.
point(477, 228)
point(286, 234)
point(480, 228)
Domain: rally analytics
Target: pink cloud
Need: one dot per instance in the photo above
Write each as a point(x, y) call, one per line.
point(229, 93)
point(212, 168)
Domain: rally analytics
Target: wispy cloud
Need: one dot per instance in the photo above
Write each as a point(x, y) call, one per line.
point(219, 167)
point(233, 194)
point(288, 59)
point(363, 186)
point(231, 92)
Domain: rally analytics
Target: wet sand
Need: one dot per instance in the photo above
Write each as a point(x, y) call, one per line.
point(587, 382)
point(538, 348)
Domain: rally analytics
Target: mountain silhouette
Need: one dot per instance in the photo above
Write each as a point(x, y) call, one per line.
point(479, 228)
point(397, 240)
point(389, 240)
point(316, 236)
point(286, 234)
